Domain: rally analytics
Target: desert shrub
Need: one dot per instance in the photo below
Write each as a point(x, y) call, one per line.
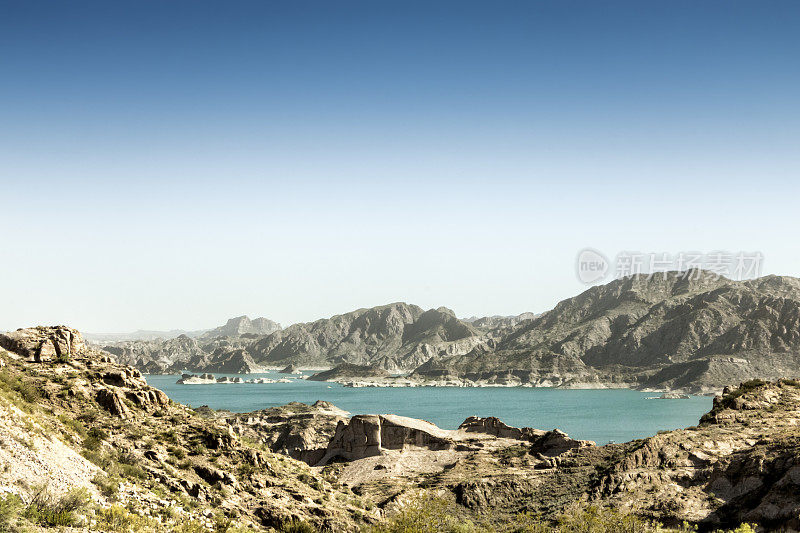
point(426, 515)
point(10, 504)
point(132, 471)
point(118, 519)
point(49, 510)
point(94, 438)
point(27, 389)
point(310, 481)
point(297, 526)
point(107, 485)
point(179, 453)
point(595, 520)
point(746, 387)
point(75, 425)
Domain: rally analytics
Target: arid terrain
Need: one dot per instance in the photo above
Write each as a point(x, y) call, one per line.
point(75, 424)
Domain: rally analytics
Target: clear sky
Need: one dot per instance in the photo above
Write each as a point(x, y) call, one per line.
point(172, 164)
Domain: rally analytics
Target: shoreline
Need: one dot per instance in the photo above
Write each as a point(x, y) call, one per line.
point(403, 382)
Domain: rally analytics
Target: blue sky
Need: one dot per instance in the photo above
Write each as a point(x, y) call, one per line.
point(171, 164)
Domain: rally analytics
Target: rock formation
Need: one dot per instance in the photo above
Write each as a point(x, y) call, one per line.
point(298, 430)
point(41, 344)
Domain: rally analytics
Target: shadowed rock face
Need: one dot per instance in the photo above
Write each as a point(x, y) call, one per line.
point(43, 343)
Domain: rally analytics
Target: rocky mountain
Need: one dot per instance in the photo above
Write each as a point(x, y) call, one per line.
point(242, 325)
point(692, 331)
point(397, 336)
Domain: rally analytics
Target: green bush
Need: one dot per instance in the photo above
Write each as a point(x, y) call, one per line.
point(10, 504)
point(426, 515)
point(119, 519)
point(297, 526)
point(94, 438)
point(107, 485)
point(27, 389)
point(49, 510)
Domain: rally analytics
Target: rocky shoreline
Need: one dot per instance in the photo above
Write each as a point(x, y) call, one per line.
point(210, 379)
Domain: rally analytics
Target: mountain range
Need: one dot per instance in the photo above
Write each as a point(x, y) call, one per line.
point(691, 331)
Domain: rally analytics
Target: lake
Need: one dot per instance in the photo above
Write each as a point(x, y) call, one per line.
point(600, 415)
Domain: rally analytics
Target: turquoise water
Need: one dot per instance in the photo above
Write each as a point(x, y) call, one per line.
point(598, 415)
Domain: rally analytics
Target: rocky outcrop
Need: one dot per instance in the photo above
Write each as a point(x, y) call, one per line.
point(41, 343)
point(298, 430)
point(549, 443)
point(494, 426)
point(122, 388)
point(369, 435)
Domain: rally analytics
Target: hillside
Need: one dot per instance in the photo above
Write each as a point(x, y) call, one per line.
point(76, 427)
point(662, 333)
